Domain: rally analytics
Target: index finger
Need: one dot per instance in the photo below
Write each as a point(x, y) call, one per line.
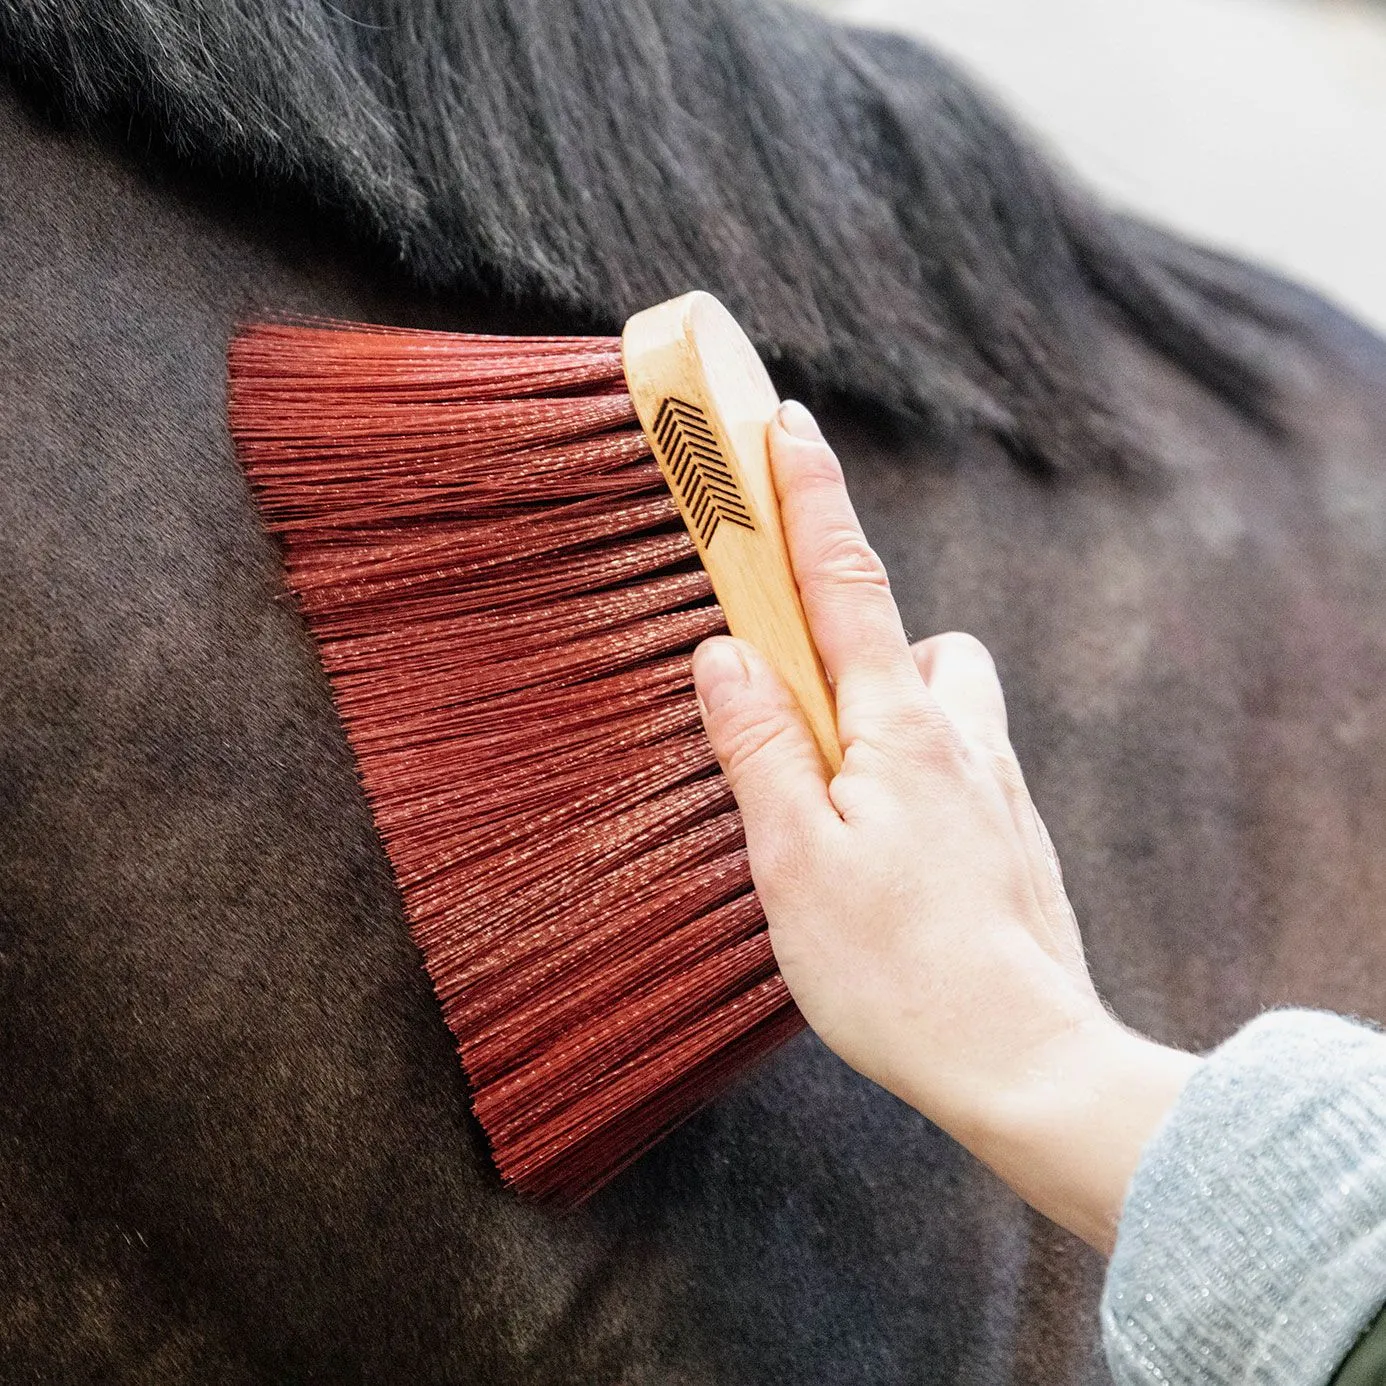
point(851, 613)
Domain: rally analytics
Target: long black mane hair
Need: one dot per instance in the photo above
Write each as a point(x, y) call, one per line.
point(881, 229)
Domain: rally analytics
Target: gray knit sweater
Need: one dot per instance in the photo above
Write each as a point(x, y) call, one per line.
point(1252, 1247)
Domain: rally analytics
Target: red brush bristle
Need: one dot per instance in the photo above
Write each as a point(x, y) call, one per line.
point(506, 601)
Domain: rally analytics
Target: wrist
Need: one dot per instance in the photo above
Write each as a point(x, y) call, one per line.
point(1067, 1130)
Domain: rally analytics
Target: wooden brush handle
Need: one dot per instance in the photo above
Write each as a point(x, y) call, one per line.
point(705, 402)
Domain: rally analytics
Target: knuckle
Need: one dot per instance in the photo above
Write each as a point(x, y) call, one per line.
point(923, 728)
point(817, 465)
point(845, 558)
point(746, 738)
point(936, 743)
point(916, 736)
point(963, 645)
point(1006, 770)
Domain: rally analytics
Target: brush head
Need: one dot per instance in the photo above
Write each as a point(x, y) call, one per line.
point(506, 601)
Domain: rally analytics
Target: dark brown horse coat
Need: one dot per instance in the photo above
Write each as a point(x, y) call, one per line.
point(234, 1143)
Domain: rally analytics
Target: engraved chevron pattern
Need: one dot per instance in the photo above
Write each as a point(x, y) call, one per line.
point(704, 484)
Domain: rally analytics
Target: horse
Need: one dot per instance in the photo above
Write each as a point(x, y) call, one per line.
point(234, 1136)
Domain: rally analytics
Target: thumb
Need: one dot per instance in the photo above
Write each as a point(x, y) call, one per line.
point(761, 742)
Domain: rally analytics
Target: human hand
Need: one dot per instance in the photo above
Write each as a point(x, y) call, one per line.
point(914, 901)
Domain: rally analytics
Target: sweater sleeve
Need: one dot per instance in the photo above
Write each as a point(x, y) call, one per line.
point(1252, 1245)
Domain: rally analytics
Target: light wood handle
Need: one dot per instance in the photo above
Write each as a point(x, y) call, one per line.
point(705, 403)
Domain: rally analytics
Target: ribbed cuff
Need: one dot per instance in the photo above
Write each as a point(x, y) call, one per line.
point(1252, 1246)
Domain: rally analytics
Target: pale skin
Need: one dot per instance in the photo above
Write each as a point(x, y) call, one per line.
point(915, 904)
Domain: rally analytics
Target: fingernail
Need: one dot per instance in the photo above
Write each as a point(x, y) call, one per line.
point(798, 422)
point(719, 673)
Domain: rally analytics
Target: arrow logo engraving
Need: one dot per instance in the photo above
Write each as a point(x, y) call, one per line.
point(702, 480)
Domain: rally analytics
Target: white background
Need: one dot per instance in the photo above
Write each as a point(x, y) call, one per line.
point(1254, 125)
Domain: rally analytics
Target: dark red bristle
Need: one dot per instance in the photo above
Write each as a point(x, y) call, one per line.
point(506, 602)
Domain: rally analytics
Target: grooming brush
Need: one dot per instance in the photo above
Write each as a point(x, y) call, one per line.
point(507, 548)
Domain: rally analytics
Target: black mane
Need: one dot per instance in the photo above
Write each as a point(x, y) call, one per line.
point(878, 226)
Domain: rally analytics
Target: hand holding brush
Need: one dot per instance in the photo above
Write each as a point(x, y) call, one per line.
point(914, 900)
point(508, 549)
